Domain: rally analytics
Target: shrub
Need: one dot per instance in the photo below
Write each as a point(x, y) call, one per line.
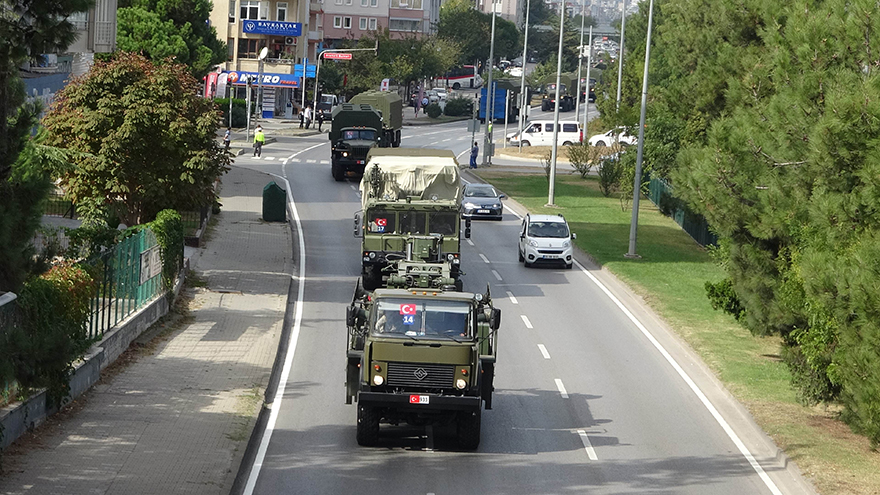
point(610, 172)
point(239, 111)
point(581, 156)
point(433, 110)
point(168, 228)
point(458, 105)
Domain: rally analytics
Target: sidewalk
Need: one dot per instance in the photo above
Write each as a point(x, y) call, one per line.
point(175, 412)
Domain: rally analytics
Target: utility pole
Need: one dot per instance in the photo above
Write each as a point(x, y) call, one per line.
point(577, 103)
point(552, 193)
point(587, 103)
point(525, 103)
point(620, 54)
point(490, 94)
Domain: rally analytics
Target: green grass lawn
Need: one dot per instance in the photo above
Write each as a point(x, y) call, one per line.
point(670, 276)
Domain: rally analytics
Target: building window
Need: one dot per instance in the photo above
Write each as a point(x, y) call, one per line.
point(281, 11)
point(347, 2)
point(374, 3)
point(365, 3)
point(338, 2)
point(337, 22)
point(254, 10)
point(346, 23)
point(362, 24)
point(231, 11)
point(249, 48)
point(411, 25)
point(230, 47)
point(372, 23)
point(406, 4)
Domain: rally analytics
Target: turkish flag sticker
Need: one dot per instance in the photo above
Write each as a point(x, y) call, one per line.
point(407, 309)
point(413, 399)
point(381, 222)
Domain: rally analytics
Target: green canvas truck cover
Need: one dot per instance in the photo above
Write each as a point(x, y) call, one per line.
point(427, 174)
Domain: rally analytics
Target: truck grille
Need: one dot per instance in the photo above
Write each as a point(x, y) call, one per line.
point(359, 153)
point(420, 375)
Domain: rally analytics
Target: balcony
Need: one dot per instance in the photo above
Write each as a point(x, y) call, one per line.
point(270, 66)
point(316, 6)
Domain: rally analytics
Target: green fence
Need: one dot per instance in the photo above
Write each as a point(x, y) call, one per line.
point(9, 318)
point(661, 193)
point(129, 275)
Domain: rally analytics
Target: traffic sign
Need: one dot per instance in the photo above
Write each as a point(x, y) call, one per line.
point(337, 56)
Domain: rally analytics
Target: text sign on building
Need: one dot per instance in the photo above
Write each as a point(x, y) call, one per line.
point(273, 27)
point(336, 56)
point(241, 78)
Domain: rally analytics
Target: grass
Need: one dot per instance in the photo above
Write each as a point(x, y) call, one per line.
point(670, 276)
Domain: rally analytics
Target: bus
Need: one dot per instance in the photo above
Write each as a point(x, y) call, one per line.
point(460, 77)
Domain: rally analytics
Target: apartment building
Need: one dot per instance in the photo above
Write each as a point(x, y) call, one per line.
point(510, 10)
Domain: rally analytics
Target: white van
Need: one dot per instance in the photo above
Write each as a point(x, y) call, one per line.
point(546, 239)
point(540, 133)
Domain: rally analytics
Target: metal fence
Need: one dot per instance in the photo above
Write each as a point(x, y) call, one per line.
point(661, 193)
point(193, 220)
point(57, 206)
point(9, 319)
point(128, 275)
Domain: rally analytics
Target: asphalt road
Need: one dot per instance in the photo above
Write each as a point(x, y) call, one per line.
point(590, 397)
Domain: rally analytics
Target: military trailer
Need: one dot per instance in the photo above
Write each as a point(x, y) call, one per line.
point(422, 357)
point(354, 131)
point(410, 202)
point(390, 106)
point(566, 89)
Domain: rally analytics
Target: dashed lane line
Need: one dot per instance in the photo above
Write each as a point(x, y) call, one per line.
point(543, 351)
point(561, 388)
point(512, 297)
point(484, 258)
point(591, 453)
point(525, 320)
point(497, 275)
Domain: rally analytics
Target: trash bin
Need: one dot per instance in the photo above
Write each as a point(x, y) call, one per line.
point(274, 203)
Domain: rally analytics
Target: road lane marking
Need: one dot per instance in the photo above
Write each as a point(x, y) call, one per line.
point(512, 297)
point(525, 320)
point(591, 453)
point(561, 388)
point(429, 433)
point(444, 140)
point(470, 242)
point(543, 351)
point(325, 162)
point(311, 161)
point(497, 275)
point(270, 158)
point(352, 187)
point(484, 258)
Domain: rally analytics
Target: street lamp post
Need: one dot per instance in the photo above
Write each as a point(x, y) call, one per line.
point(620, 54)
point(524, 105)
point(589, 65)
point(263, 54)
point(318, 68)
point(552, 193)
point(634, 223)
point(490, 95)
point(577, 104)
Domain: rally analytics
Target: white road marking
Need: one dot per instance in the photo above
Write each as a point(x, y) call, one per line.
point(470, 242)
point(311, 161)
point(484, 258)
point(497, 275)
point(543, 351)
point(525, 320)
point(444, 140)
point(406, 137)
point(561, 388)
point(429, 444)
point(352, 187)
point(325, 162)
point(512, 298)
point(270, 158)
point(591, 453)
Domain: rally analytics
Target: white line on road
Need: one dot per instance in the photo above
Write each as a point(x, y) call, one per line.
point(352, 187)
point(311, 161)
point(512, 297)
point(497, 275)
point(470, 242)
point(561, 388)
point(444, 140)
point(296, 160)
point(543, 351)
point(484, 258)
point(591, 453)
point(325, 162)
point(525, 320)
point(270, 158)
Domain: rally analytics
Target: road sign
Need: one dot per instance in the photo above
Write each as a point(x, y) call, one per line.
point(337, 56)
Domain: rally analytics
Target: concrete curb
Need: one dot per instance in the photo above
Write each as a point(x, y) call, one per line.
point(20, 418)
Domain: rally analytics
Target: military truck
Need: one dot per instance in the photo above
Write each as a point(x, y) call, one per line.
point(420, 356)
point(354, 131)
point(410, 214)
point(566, 89)
point(390, 106)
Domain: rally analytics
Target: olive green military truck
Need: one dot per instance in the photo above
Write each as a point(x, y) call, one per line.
point(409, 223)
point(422, 357)
point(566, 89)
point(355, 130)
point(390, 107)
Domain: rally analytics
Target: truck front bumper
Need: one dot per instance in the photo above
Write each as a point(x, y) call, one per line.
point(415, 402)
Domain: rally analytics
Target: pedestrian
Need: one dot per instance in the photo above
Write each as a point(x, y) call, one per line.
point(259, 141)
point(227, 138)
point(301, 119)
point(416, 107)
point(474, 152)
point(425, 103)
point(308, 116)
point(320, 118)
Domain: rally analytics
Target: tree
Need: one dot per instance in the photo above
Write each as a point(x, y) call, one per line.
point(145, 140)
point(470, 29)
point(170, 28)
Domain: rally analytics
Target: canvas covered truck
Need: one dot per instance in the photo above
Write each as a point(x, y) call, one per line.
point(422, 357)
point(355, 130)
point(410, 202)
point(390, 107)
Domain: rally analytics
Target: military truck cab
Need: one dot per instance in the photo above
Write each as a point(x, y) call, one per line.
point(354, 131)
point(421, 357)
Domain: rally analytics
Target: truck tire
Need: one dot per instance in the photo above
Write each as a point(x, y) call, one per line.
point(371, 280)
point(338, 174)
point(395, 143)
point(459, 285)
point(468, 429)
point(544, 106)
point(368, 426)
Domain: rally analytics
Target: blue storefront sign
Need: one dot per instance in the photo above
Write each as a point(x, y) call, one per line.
point(273, 27)
point(241, 78)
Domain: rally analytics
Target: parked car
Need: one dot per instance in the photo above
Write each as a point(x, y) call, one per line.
point(546, 239)
point(540, 133)
point(616, 135)
point(441, 93)
point(433, 96)
point(481, 201)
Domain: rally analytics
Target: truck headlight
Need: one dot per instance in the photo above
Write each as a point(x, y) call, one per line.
point(344, 153)
point(378, 380)
point(460, 384)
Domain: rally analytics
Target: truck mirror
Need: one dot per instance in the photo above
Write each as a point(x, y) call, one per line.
point(357, 225)
point(467, 228)
point(351, 313)
point(495, 319)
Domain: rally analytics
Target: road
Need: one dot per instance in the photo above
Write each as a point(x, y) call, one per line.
point(590, 398)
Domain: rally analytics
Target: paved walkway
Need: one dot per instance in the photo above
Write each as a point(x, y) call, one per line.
point(173, 415)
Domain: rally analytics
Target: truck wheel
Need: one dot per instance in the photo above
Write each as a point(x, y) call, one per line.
point(368, 426)
point(544, 107)
point(469, 430)
point(370, 280)
point(338, 174)
point(459, 286)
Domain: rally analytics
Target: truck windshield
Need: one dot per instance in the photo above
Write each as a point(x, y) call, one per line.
point(381, 222)
point(442, 223)
point(365, 134)
point(408, 318)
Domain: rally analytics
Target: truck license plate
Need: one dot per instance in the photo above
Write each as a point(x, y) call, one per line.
point(419, 399)
point(360, 162)
point(482, 211)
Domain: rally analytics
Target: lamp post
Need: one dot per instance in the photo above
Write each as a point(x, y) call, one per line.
point(620, 54)
point(637, 181)
point(589, 65)
point(490, 95)
point(524, 105)
point(321, 55)
point(551, 196)
point(577, 103)
point(263, 54)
